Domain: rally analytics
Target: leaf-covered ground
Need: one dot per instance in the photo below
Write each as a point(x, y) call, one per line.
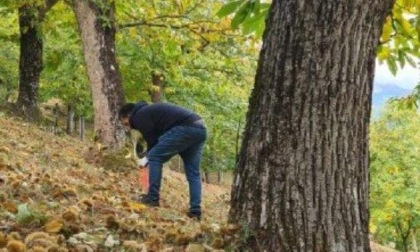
point(56, 194)
point(61, 194)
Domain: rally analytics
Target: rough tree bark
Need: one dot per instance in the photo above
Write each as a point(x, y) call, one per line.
point(30, 59)
point(301, 183)
point(97, 28)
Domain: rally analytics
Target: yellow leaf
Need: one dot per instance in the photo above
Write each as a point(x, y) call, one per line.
point(10, 207)
point(53, 226)
point(70, 215)
point(373, 228)
point(136, 207)
point(3, 239)
point(383, 53)
point(388, 217)
point(132, 32)
point(405, 25)
point(16, 246)
point(386, 33)
point(390, 204)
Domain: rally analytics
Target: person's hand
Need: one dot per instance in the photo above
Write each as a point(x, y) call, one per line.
point(143, 162)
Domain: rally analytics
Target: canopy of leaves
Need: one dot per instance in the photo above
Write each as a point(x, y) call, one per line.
point(400, 37)
point(64, 75)
point(399, 42)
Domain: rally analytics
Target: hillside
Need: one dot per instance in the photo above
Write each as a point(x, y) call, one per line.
point(61, 194)
point(83, 206)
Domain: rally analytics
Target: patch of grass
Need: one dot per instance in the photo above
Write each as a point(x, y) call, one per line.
point(28, 216)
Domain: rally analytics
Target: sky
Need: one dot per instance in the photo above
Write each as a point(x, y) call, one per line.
point(386, 85)
point(406, 78)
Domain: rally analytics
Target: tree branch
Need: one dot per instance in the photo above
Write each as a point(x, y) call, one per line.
point(153, 24)
point(194, 7)
point(213, 69)
point(44, 9)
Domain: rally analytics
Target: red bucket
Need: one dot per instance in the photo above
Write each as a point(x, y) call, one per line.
point(144, 179)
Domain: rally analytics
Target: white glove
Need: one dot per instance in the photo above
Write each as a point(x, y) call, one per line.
point(143, 162)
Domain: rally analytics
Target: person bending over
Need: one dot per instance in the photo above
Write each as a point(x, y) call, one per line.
point(168, 130)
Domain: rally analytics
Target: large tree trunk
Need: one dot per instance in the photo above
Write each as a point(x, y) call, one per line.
point(30, 59)
point(301, 183)
point(97, 27)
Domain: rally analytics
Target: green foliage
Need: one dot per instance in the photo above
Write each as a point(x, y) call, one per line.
point(205, 65)
point(8, 54)
point(229, 8)
point(64, 75)
point(28, 216)
point(395, 176)
point(14, 4)
point(250, 14)
point(399, 44)
point(408, 102)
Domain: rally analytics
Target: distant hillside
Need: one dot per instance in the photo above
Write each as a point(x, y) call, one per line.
point(382, 93)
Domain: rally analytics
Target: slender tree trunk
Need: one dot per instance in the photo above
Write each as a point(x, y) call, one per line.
point(301, 183)
point(30, 59)
point(404, 234)
point(82, 128)
point(414, 241)
point(56, 111)
point(97, 27)
point(206, 177)
point(219, 177)
point(70, 119)
point(156, 91)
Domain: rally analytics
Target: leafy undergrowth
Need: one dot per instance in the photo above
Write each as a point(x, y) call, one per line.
point(56, 195)
point(61, 194)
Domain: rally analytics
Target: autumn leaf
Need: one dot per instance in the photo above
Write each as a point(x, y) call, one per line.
point(70, 215)
point(10, 207)
point(16, 246)
point(54, 226)
point(136, 207)
point(4, 149)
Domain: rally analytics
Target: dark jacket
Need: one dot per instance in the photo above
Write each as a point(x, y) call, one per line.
point(153, 120)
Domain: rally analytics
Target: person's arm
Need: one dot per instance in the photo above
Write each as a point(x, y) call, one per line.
point(151, 139)
point(147, 129)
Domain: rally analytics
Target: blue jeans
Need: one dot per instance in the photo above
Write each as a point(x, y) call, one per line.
point(188, 142)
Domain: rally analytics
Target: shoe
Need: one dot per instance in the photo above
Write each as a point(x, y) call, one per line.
point(145, 199)
point(194, 215)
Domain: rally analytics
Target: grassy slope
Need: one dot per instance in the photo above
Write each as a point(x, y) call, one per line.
point(76, 203)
